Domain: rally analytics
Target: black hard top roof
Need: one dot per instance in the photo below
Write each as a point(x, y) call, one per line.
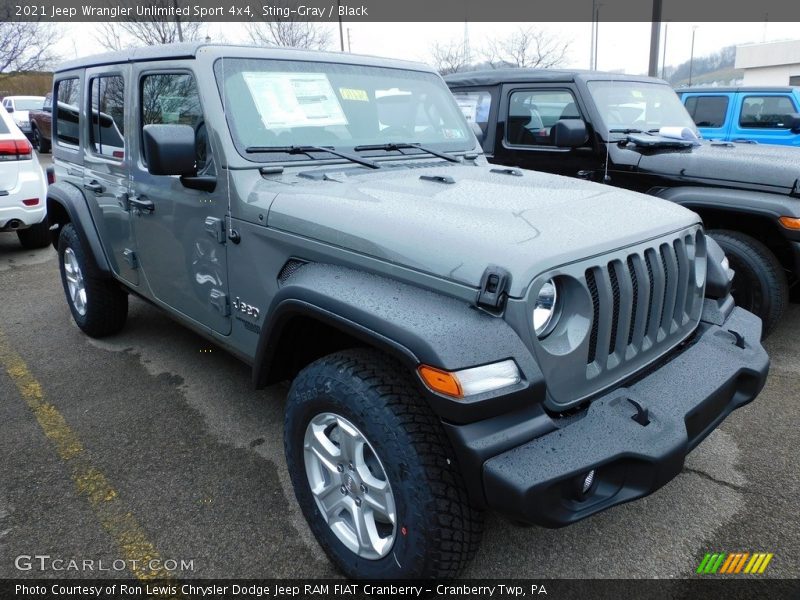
point(498, 76)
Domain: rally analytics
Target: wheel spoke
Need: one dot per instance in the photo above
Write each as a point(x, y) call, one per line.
point(324, 450)
point(351, 443)
point(331, 499)
point(381, 501)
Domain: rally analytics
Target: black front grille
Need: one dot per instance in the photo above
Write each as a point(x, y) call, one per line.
point(642, 301)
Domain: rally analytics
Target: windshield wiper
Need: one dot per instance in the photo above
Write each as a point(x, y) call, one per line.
point(404, 145)
point(308, 149)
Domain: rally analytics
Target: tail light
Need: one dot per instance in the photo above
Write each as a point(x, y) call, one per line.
point(15, 150)
point(51, 175)
point(30, 201)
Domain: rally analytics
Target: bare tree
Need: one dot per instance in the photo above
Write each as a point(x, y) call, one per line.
point(147, 31)
point(26, 46)
point(527, 47)
point(449, 57)
point(290, 33)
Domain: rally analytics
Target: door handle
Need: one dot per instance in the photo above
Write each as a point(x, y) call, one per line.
point(141, 203)
point(93, 186)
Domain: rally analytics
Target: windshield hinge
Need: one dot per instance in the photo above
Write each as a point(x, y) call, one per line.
point(494, 285)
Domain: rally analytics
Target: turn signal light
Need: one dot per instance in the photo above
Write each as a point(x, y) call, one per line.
point(790, 222)
point(441, 381)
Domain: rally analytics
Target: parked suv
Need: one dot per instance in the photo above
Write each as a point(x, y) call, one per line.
point(459, 337)
point(19, 108)
point(631, 132)
point(763, 115)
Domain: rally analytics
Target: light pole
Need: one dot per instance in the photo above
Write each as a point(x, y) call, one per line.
point(691, 56)
point(664, 52)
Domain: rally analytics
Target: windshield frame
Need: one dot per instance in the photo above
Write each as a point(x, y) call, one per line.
point(458, 146)
point(605, 129)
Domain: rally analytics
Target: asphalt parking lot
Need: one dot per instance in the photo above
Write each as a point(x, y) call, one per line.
point(190, 463)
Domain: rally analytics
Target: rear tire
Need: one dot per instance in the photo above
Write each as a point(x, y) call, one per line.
point(364, 395)
point(98, 305)
point(759, 283)
point(35, 236)
point(42, 145)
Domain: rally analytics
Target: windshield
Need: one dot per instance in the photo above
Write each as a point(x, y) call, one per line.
point(639, 105)
point(277, 103)
point(28, 103)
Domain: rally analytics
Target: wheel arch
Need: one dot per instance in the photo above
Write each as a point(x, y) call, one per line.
point(67, 204)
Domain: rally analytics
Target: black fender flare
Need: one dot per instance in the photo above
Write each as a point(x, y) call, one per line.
point(752, 202)
point(413, 324)
point(63, 197)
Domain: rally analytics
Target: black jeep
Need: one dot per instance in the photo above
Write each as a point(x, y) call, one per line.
point(633, 132)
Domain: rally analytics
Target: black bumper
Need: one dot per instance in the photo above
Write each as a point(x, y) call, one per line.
point(540, 481)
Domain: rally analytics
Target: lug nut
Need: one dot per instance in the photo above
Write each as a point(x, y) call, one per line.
point(340, 468)
point(344, 490)
point(363, 489)
point(351, 467)
point(358, 501)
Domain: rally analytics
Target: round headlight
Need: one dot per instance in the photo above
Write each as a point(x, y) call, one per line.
point(544, 309)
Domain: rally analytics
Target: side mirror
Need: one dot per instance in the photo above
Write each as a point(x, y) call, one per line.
point(169, 149)
point(47, 108)
point(10, 109)
point(793, 122)
point(570, 133)
point(476, 129)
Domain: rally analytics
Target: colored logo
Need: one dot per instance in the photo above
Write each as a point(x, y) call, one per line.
point(734, 563)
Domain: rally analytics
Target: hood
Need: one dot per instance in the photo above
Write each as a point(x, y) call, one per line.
point(756, 166)
point(20, 115)
point(526, 224)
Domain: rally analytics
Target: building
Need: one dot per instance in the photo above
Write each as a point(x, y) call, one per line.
point(770, 64)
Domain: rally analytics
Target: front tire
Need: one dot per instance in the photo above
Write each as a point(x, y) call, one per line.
point(759, 283)
point(35, 236)
point(98, 305)
point(42, 145)
point(388, 500)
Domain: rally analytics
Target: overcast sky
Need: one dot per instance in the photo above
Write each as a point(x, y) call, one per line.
point(622, 46)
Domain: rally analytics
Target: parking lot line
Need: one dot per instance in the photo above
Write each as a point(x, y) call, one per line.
point(141, 556)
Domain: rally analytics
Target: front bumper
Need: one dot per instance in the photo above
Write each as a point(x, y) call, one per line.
point(687, 397)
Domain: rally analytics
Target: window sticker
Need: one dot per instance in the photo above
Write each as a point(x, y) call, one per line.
point(468, 103)
point(352, 94)
point(294, 99)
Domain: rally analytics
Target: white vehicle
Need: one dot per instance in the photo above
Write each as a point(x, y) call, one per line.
point(22, 187)
point(19, 107)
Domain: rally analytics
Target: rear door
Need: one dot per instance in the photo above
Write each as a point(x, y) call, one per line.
point(180, 238)
point(762, 117)
point(106, 176)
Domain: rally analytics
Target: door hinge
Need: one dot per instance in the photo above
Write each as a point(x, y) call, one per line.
point(219, 300)
point(131, 258)
point(494, 286)
point(216, 228)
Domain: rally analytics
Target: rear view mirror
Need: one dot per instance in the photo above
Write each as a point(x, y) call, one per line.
point(170, 149)
point(570, 133)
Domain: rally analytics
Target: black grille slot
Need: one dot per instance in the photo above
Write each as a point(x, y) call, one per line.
point(635, 290)
point(649, 262)
point(662, 253)
point(612, 274)
point(290, 268)
point(592, 283)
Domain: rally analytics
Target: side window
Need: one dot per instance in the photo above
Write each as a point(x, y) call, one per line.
point(475, 106)
point(172, 98)
point(107, 132)
point(66, 101)
point(708, 111)
point(532, 114)
point(766, 112)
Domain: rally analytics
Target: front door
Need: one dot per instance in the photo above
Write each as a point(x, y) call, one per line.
point(179, 230)
point(106, 175)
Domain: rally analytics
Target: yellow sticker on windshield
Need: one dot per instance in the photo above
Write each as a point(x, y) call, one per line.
point(637, 93)
point(351, 94)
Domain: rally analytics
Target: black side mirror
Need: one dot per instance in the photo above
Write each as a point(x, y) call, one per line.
point(570, 133)
point(169, 149)
point(793, 122)
point(10, 109)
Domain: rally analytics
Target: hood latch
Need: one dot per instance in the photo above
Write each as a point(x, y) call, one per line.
point(494, 287)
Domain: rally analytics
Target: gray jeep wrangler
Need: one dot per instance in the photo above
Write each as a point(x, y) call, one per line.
point(460, 337)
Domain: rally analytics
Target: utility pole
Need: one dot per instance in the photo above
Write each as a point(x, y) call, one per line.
point(655, 35)
point(591, 44)
point(178, 20)
point(664, 52)
point(339, 16)
point(348, 40)
point(691, 56)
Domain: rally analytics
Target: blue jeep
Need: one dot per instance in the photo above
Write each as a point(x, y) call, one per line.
point(764, 115)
